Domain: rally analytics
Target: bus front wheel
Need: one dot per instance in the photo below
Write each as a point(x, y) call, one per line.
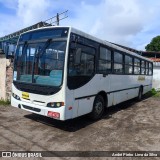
point(98, 108)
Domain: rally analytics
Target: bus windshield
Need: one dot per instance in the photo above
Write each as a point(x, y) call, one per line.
point(40, 63)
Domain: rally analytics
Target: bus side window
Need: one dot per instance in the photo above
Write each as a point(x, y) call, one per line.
point(150, 69)
point(143, 67)
point(147, 68)
point(87, 64)
point(104, 65)
point(128, 64)
point(118, 62)
point(136, 66)
point(81, 61)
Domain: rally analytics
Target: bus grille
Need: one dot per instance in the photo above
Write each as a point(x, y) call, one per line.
point(31, 108)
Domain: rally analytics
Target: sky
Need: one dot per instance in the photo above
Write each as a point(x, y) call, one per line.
point(131, 23)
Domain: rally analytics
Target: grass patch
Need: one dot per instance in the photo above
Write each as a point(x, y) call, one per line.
point(4, 102)
point(157, 94)
point(153, 93)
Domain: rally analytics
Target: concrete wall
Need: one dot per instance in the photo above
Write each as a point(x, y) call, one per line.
point(3, 64)
point(5, 77)
point(9, 76)
point(156, 77)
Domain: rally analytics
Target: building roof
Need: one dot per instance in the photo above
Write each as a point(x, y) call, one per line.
point(13, 37)
point(155, 59)
point(147, 52)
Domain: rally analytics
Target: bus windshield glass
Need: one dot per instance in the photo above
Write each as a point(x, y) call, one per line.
point(40, 63)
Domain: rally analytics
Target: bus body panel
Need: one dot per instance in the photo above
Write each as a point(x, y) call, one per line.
point(121, 88)
point(85, 95)
point(125, 87)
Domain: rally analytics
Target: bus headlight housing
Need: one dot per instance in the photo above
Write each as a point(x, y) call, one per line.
point(55, 104)
point(16, 96)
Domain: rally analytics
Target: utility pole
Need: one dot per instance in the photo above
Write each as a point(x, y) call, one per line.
point(57, 19)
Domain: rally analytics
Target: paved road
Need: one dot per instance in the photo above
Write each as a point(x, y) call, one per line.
point(129, 126)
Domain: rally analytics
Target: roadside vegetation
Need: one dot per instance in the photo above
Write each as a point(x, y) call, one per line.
point(157, 94)
point(4, 102)
point(153, 93)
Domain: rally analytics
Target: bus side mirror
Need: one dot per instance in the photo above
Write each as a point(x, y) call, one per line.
point(78, 56)
point(10, 51)
point(10, 55)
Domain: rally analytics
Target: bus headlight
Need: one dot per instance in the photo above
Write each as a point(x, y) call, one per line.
point(55, 104)
point(16, 96)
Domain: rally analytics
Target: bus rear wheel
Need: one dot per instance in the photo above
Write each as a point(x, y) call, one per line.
point(98, 108)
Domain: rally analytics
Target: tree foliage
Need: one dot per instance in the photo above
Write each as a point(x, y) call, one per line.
point(154, 45)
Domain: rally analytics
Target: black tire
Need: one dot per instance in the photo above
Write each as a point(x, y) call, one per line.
point(140, 94)
point(98, 108)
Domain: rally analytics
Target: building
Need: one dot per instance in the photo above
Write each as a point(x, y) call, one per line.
point(6, 73)
point(155, 57)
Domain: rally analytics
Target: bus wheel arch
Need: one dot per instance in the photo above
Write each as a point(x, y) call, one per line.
point(99, 104)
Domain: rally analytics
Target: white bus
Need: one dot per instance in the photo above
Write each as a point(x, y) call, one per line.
point(63, 73)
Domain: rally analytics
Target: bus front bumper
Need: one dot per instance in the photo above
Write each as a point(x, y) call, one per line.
point(56, 113)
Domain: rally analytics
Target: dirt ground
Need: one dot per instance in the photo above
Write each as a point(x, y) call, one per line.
point(130, 126)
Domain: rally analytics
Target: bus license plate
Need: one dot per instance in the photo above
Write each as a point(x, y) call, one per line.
point(25, 95)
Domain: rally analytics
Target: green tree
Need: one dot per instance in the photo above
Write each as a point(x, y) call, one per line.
point(154, 45)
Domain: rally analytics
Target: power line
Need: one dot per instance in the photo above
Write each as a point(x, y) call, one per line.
point(55, 20)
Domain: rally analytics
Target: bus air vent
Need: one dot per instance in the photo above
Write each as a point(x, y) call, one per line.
point(31, 108)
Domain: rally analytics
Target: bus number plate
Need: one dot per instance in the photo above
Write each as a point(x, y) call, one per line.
point(25, 95)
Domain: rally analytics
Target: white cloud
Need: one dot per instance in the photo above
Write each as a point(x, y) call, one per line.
point(117, 21)
point(132, 23)
point(27, 12)
point(32, 11)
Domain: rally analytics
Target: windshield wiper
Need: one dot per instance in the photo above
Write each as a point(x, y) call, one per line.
point(38, 55)
point(25, 43)
point(33, 80)
point(44, 47)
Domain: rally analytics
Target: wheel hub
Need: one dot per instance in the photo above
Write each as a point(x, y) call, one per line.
point(99, 107)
